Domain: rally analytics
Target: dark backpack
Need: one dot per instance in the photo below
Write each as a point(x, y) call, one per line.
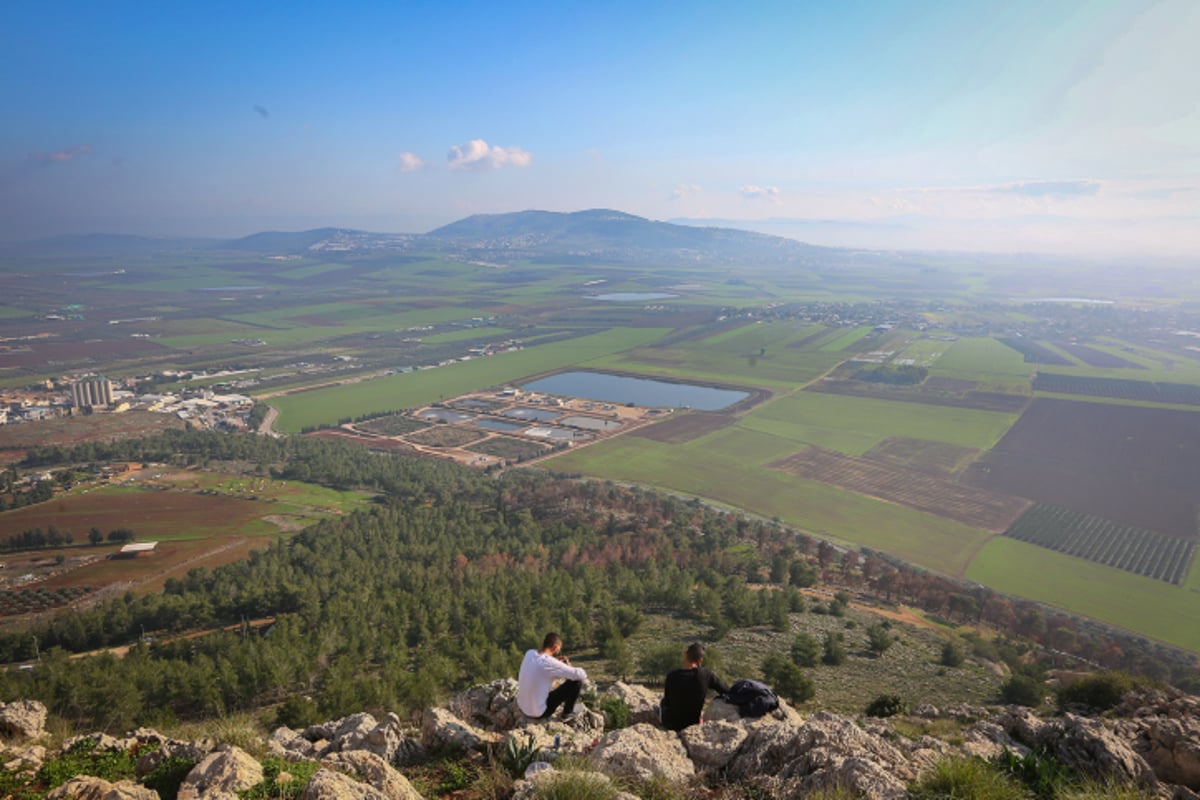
point(753, 699)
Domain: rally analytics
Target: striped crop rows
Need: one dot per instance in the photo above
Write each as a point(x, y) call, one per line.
point(1144, 552)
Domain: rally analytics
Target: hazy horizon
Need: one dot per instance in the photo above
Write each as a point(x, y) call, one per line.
point(1065, 128)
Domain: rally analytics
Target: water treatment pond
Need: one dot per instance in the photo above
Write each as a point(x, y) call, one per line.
point(497, 424)
point(638, 391)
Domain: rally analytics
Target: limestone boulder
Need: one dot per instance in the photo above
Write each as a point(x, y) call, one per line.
point(291, 745)
point(367, 767)
point(821, 751)
point(87, 787)
point(491, 706)
point(328, 784)
point(221, 774)
point(22, 719)
point(1092, 749)
point(642, 752)
point(441, 729)
point(712, 745)
point(160, 749)
point(1171, 747)
point(643, 703)
point(24, 759)
point(987, 740)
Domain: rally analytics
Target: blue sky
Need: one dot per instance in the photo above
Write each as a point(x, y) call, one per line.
point(1039, 126)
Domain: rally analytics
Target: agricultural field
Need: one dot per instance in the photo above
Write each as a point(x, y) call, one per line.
point(1038, 352)
point(1131, 464)
point(1118, 388)
point(936, 458)
point(392, 425)
point(446, 436)
point(198, 518)
point(1153, 608)
point(70, 431)
point(985, 361)
point(860, 423)
point(730, 467)
point(1142, 552)
point(684, 427)
point(907, 487)
point(934, 392)
point(1097, 358)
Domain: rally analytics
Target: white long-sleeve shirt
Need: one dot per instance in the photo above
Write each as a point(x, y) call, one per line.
point(536, 679)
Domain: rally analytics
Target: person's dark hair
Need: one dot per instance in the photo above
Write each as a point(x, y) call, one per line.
point(695, 652)
point(551, 640)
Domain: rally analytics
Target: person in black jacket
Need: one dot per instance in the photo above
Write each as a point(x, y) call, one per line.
point(687, 689)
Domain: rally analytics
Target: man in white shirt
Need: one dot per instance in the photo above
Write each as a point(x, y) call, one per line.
point(535, 695)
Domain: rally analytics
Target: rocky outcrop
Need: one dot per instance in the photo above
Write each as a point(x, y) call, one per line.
point(442, 730)
point(712, 745)
point(643, 752)
point(221, 775)
point(367, 767)
point(86, 787)
point(1172, 749)
point(824, 752)
point(492, 706)
point(23, 719)
point(327, 784)
point(643, 704)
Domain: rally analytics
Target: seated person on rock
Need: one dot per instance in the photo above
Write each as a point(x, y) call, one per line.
point(539, 669)
point(686, 690)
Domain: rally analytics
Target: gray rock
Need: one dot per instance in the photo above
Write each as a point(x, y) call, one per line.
point(1090, 748)
point(370, 768)
point(87, 787)
point(642, 702)
point(329, 785)
point(220, 775)
point(441, 729)
point(151, 757)
point(642, 752)
point(712, 745)
point(824, 751)
point(1172, 749)
point(987, 740)
point(22, 719)
point(491, 706)
point(25, 759)
point(291, 745)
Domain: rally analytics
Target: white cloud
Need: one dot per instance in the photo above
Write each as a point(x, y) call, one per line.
point(478, 154)
point(768, 193)
point(410, 162)
point(686, 190)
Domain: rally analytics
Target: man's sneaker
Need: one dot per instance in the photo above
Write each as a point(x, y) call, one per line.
point(567, 715)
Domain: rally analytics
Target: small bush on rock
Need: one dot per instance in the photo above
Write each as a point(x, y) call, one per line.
point(887, 705)
point(110, 765)
point(1023, 690)
point(1101, 691)
point(167, 777)
point(574, 786)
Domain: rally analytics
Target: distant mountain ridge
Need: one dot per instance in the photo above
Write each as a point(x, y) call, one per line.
point(595, 235)
point(616, 236)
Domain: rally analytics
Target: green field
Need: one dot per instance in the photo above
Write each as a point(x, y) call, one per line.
point(985, 360)
point(860, 423)
point(1168, 613)
point(728, 467)
point(327, 406)
point(847, 339)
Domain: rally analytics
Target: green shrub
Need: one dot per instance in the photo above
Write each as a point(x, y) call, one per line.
point(659, 788)
point(887, 705)
point(516, 754)
point(1043, 775)
point(573, 785)
point(834, 652)
point(1023, 690)
point(167, 777)
point(111, 765)
point(295, 775)
point(656, 661)
point(952, 655)
point(1090, 790)
point(297, 712)
point(1100, 691)
point(968, 779)
point(805, 651)
point(616, 712)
